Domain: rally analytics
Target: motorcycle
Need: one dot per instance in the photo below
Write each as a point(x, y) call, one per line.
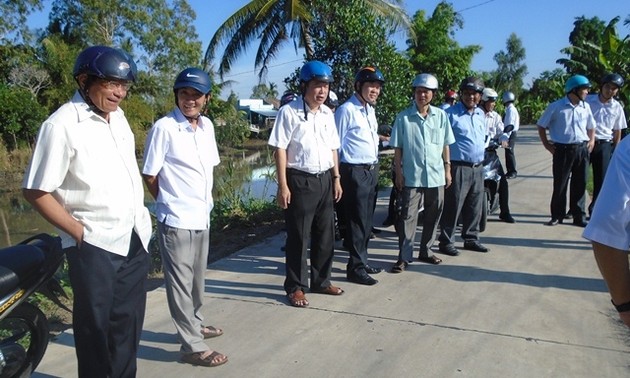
point(492, 170)
point(26, 268)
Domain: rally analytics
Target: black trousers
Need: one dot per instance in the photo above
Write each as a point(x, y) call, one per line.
point(359, 191)
point(600, 158)
point(309, 217)
point(510, 159)
point(464, 196)
point(570, 161)
point(108, 310)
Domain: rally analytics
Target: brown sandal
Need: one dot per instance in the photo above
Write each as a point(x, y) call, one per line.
point(297, 299)
point(209, 332)
point(330, 290)
point(212, 360)
point(430, 260)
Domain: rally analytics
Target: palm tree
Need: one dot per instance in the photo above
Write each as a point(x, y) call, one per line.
point(274, 22)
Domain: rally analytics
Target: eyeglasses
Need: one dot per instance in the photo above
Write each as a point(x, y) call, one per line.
point(113, 84)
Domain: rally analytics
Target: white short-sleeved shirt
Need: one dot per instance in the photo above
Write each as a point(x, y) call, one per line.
point(494, 127)
point(357, 126)
point(512, 117)
point(567, 123)
point(610, 221)
point(90, 167)
point(309, 137)
point(608, 116)
point(183, 159)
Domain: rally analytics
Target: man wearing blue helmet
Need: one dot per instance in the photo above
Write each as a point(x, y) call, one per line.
point(179, 157)
point(306, 142)
point(571, 138)
point(84, 179)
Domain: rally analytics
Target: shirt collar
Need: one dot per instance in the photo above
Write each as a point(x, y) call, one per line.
point(182, 122)
point(84, 111)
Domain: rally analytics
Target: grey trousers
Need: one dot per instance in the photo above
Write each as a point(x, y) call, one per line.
point(433, 199)
point(184, 258)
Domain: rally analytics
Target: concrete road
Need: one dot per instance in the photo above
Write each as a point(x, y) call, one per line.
point(534, 306)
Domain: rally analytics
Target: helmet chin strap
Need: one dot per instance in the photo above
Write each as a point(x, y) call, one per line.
point(84, 94)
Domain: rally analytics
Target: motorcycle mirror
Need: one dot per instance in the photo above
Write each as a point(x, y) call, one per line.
point(508, 128)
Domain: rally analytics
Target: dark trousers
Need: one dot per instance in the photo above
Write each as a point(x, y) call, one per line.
point(503, 190)
point(464, 196)
point(309, 216)
point(108, 310)
point(600, 158)
point(510, 159)
point(569, 161)
point(359, 191)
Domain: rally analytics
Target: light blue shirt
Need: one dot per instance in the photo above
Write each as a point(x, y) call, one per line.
point(567, 123)
point(357, 128)
point(469, 129)
point(422, 141)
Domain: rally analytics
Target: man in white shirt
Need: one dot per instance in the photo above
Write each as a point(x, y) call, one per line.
point(179, 159)
point(610, 120)
point(511, 117)
point(84, 179)
point(306, 142)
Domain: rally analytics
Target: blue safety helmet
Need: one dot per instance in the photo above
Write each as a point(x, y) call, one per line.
point(575, 82)
point(316, 70)
point(194, 78)
point(106, 63)
point(613, 78)
point(369, 74)
point(473, 83)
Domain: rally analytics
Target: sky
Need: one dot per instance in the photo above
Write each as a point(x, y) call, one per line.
point(542, 25)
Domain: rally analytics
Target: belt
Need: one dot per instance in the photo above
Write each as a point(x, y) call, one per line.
point(568, 146)
point(466, 164)
point(307, 174)
point(367, 167)
point(600, 141)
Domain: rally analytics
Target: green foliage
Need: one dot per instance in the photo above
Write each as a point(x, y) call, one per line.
point(230, 126)
point(341, 40)
point(20, 116)
point(548, 87)
point(13, 25)
point(275, 22)
point(511, 67)
point(435, 51)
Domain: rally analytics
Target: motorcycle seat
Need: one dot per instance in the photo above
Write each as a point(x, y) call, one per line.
point(16, 264)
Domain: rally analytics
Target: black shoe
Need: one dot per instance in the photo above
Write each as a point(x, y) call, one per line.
point(372, 270)
point(448, 249)
point(474, 245)
point(579, 223)
point(507, 218)
point(361, 277)
point(553, 222)
point(511, 175)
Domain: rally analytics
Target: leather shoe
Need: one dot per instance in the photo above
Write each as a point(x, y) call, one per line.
point(511, 175)
point(552, 222)
point(372, 270)
point(474, 245)
point(361, 277)
point(448, 249)
point(507, 218)
point(579, 223)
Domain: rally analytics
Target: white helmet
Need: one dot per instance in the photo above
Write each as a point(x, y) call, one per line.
point(489, 94)
point(508, 97)
point(427, 81)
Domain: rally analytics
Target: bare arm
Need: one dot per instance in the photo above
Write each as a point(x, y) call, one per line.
point(591, 139)
point(337, 190)
point(614, 267)
point(152, 185)
point(542, 133)
point(616, 137)
point(54, 213)
point(446, 157)
point(284, 194)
